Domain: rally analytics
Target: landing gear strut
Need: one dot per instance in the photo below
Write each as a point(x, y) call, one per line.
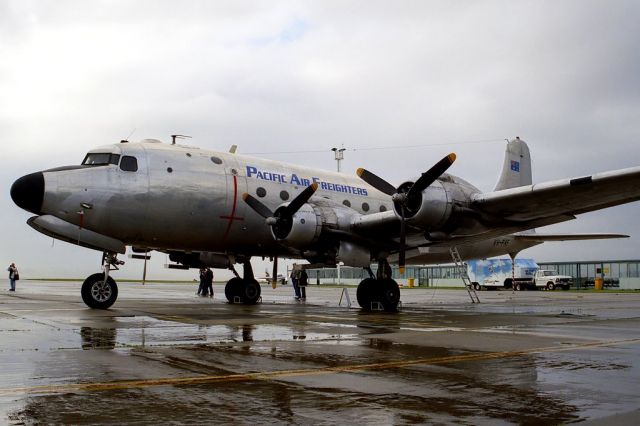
point(244, 290)
point(100, 291)
point(379, 293)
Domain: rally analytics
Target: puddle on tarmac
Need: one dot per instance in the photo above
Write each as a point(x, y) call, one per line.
point(148, 331)
point(529, 389)
point(493, 391)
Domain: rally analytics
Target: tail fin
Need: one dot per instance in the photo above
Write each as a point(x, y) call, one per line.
point(516, 170)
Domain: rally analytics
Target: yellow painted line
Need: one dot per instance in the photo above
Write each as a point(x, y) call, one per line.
point(280, 374)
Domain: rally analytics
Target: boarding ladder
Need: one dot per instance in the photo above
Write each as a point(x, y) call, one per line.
point(461, 267)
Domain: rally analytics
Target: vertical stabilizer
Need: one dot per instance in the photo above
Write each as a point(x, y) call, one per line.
point(516, 170)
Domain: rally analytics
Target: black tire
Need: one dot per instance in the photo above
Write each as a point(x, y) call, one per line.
point(519, 287)
point(476, 286)
point(250, 292)
point(389, 295)
point(551, 286)
point(365, 293)
point(98, 294)
point(233, 289)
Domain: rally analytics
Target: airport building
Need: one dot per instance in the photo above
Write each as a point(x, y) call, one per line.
point(618, 274)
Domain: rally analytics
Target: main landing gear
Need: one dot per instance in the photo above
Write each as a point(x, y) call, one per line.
point(379, 293)
point(100, 291)
point(243, 290)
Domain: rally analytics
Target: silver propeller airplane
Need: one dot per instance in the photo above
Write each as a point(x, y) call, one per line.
point(218, 209)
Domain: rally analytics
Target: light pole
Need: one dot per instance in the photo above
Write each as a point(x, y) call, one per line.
point(339, 153)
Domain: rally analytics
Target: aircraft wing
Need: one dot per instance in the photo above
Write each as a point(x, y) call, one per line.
point(561, 197)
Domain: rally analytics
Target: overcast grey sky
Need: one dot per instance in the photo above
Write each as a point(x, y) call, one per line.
point(298, 75)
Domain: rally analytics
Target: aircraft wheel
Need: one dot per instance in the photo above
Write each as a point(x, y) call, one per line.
point(250, 292)
point(476, 286)
point(389, 294)
point(518, 287)
point(550, 286)
point(365, 292)
point(98, 293)
point(233, 289)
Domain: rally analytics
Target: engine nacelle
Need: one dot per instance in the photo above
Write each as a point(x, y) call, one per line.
point(431, 209)
point(303, 229)
point(353, 254)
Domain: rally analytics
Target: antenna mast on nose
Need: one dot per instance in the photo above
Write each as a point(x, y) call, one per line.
point(174, 137)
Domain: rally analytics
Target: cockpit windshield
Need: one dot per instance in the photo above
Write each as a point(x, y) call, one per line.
point(100, 159)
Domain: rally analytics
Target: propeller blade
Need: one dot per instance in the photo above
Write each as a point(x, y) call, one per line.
point(403, 240)
point(300, 200)
point(376, 181)
point(431, 175)
point(257, 206)
point(274, 276)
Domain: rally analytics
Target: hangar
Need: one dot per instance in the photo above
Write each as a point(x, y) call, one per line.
point(618, 274)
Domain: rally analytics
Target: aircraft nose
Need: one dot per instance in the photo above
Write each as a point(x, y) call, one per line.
point(28, 192)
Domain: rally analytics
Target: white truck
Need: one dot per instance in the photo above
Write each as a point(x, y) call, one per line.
point(550, 280)
point(499, 274)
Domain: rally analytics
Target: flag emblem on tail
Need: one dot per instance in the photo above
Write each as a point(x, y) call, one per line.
point(515, 166)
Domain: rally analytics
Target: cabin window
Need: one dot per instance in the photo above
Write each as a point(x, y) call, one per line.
point(261, 192)
point(100, 159)
point(216, 160)
point(383, 208)
point(347, 203)
point(365, 207)
point(284, 195)
point(129, 164)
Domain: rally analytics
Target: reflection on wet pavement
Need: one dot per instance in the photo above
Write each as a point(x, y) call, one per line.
point(161, 361)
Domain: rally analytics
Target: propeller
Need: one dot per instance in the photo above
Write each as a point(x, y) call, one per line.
point(282, 219)
point(407, 197)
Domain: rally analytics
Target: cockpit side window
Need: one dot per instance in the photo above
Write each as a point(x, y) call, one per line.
point(100, 159)
point(129, 164)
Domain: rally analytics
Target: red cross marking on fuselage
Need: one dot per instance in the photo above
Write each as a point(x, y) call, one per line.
point(232, 216)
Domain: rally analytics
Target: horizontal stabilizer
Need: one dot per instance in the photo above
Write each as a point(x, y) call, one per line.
point(566, 237)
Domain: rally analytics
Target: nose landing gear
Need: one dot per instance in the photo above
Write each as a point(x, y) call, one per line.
point(100, 291)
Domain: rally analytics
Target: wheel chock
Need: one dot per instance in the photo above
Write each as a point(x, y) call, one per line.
point(376, 306)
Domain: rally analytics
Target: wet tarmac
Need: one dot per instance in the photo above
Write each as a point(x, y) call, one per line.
point(163, 355)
